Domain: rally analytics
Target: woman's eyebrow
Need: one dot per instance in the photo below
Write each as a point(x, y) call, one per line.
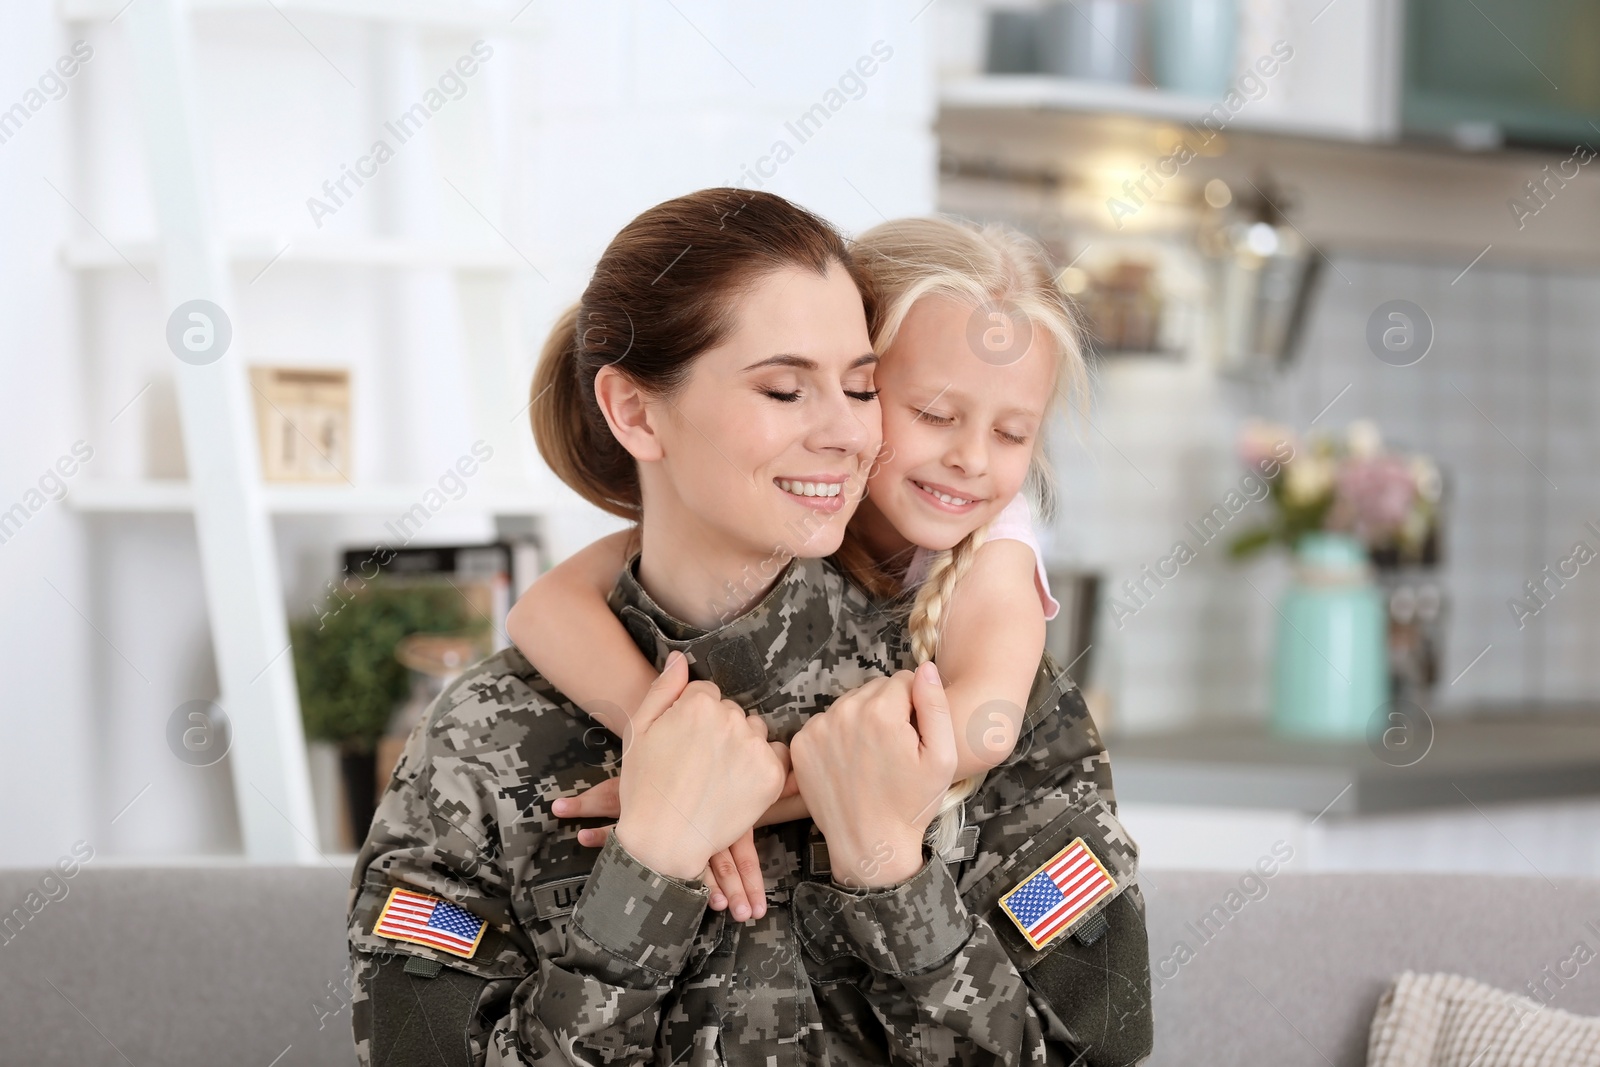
point(786, 359)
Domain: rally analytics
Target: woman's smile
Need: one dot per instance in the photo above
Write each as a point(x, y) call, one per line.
point(819, 492)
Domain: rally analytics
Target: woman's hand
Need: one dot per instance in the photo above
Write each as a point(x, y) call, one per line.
point(733, 875)
point(698, 774)
point(873, 779)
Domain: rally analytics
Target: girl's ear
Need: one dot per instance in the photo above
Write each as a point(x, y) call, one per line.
point(628, 412)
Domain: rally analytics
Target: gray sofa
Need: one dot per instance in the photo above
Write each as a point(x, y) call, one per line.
point(246, 966)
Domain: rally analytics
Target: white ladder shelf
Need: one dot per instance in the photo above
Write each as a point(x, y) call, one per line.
point(232, 509)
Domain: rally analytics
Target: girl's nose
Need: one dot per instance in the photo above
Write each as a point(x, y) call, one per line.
point(967, 453)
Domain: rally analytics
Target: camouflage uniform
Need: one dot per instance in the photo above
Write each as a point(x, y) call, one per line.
point(590, 957)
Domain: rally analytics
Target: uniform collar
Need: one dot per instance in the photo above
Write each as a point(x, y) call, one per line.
point(748, 658)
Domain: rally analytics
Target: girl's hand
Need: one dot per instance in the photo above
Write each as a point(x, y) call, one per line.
point(600, 802)
point(873, 778)
point(789, 806)
point(733, 875)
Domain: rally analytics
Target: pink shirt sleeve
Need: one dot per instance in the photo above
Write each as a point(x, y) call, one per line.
point(1014, 523)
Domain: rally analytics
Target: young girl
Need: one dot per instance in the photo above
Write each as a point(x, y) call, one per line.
point(975, 342)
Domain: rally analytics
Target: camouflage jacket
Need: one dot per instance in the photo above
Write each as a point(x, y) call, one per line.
point(590, 957)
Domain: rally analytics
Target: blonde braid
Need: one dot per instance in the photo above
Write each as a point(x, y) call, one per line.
point(907, 260)
point(926, 624)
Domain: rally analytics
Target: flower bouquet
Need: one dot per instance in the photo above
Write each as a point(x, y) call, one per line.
point(1387, 501)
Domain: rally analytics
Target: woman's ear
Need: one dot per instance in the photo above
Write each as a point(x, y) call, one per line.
point(628, 412)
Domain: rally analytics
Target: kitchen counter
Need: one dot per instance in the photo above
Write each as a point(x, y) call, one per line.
point(1472, 760)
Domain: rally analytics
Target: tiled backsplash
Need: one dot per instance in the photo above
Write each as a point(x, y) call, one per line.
point(1503, 400)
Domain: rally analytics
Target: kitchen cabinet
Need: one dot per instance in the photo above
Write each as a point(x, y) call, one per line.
point(1325, 128)
point(1329, 69)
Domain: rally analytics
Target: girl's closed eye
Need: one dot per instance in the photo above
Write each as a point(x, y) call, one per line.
point(1010, 437)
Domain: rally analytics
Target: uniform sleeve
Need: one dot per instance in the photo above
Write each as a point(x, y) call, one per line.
point(595, 1001)
point(950, 977)
point(627, 943)
point(940, 981)
point(1090, 986)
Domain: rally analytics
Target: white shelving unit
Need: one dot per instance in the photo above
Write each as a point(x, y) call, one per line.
point(435, 14)
point(262, 251)
point(231, 507)
point(171, 496)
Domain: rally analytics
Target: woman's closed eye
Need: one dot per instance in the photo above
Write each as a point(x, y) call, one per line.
point(792, 396)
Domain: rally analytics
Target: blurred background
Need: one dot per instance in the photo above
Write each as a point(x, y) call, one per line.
point(276, 274)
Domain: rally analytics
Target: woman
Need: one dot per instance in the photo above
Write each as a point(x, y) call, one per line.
point(482, 932)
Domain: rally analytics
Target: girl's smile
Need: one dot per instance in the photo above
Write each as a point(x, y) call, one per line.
point(944, 498)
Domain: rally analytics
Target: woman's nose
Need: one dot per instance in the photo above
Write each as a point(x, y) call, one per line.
point(847, 426)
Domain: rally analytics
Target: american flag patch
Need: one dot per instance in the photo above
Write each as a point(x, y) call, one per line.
point(429, 920)
point(1060, 891)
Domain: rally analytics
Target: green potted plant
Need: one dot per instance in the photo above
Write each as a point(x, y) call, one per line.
point(350, 681)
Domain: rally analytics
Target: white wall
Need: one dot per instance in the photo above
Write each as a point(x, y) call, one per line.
point(635, 103)
point(607, 109)
point(47, 649)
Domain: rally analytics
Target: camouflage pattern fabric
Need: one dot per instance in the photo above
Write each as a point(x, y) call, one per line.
point(592, 958)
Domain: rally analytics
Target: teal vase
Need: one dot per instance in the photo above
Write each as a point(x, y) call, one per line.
point(1330, 671)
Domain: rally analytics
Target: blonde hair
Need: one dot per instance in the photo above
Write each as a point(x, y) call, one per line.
point(988, 266)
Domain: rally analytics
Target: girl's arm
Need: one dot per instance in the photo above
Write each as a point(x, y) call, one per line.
point(988, 656)
point(989, 653)
point(564, 628)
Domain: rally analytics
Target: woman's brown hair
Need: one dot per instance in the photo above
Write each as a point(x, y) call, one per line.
point(663, 293)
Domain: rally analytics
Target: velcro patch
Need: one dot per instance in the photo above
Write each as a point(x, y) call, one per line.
point(966, 845)
point(557, 898)
point(1060, 891)
point(424, 919)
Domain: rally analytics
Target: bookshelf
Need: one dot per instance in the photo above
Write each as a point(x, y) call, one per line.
point(175, 497)
point(196, 253)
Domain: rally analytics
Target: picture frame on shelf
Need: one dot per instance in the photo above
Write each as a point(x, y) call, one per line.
point(303, 423)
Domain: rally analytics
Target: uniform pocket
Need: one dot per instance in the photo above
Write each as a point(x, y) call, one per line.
point(427, 1015)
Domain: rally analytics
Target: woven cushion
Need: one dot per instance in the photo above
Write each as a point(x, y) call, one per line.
point(1446, 1020)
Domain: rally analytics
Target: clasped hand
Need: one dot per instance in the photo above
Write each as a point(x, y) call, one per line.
point(699, 775)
